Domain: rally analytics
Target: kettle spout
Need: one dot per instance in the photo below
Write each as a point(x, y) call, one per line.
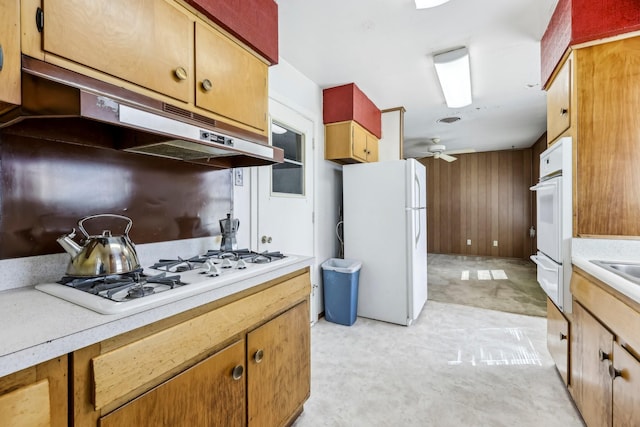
point(69, 245)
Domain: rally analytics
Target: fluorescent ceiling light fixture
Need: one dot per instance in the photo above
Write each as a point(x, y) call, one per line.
point(455, 76)
point(279, 130)
point(425, 4)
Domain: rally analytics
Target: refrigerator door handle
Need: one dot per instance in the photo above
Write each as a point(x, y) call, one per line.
point(418, 190)
point(416, 201)
point(416, 218)
point(418, 225)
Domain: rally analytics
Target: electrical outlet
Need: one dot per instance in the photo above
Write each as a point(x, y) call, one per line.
point(468, 242)
point(495, 243)
point(238, 178)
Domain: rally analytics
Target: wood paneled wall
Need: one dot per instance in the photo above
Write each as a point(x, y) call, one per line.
point(483, 197)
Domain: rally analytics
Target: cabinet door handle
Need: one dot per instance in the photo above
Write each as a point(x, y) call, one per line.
point(614, 373)
point(562, 336)
point(1, 58)
point(207, 85)
point(258, 356)
point(603, 356)
point(39, 19)
point(237, 372)
point(180, 73)
point(564, 111)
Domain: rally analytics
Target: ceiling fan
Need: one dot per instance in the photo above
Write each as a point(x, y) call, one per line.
point(437, 151)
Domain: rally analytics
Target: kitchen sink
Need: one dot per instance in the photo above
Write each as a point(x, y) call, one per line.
point(626, 270)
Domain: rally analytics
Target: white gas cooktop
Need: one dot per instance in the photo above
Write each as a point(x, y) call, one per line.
point(196, 281)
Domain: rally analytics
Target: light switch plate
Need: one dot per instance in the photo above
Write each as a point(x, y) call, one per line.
point(237, 177)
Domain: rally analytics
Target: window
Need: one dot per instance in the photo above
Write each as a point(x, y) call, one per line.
point(288, 177)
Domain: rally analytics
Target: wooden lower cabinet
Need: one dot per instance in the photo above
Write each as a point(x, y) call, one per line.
point(591, 351)
point(626, 388)
point(278, 369)
point(605, 368)
point(558, 339)
point(211, 393)
point(243, 360)
point(36, 396)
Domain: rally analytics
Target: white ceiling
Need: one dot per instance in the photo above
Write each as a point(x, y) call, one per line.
point(386, 48)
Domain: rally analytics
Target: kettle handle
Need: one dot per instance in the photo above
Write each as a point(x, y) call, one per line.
point(126, 229)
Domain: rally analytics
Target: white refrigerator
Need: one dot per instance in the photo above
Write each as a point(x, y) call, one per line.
point(385, 227)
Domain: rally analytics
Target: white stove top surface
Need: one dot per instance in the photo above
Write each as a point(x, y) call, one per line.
point(196, 282)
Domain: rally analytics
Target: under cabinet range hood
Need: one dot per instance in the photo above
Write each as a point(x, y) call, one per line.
point(61, 105)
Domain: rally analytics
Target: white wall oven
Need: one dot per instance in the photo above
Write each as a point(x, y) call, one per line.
point(554, 223)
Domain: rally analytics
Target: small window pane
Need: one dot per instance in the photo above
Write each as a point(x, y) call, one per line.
point(288, 177)
point(290, 142)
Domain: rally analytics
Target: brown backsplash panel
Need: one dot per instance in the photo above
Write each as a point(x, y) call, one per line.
point(47, 186)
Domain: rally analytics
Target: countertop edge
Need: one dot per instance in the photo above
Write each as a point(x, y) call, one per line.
point(621, 285)
point(16, 359)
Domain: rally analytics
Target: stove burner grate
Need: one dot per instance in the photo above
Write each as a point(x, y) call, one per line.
point(123, 286)
point(246, 255)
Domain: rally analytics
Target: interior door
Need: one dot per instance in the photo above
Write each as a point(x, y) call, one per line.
point(285, 199)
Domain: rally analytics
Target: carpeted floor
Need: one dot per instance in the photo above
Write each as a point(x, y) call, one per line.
point(503, 284)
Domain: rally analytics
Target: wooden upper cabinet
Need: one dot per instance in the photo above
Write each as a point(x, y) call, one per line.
point(230, 81)
point(598, 88)
point(607, 139)
point(147, 42)
point(278, 368)
point(211, 393)
point(9, 54)
point(559, 103)
point(591, 352)
point(359, 142)
point(348, 142)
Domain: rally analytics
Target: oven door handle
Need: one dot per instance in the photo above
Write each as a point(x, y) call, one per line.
point(539, 263)
point(543, 185)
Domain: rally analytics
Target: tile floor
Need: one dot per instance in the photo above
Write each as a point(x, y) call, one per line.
point(458, 365)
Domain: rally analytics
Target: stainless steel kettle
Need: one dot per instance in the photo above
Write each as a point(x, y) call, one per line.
point(100, 255)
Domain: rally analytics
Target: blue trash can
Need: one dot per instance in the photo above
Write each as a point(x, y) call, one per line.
point(340, 280)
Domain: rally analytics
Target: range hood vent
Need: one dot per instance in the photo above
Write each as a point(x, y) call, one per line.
point(133, 122)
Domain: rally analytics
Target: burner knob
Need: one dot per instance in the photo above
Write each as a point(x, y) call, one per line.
point(214, 271)
point(208, 265)
point(226, 263)
point(241, 265)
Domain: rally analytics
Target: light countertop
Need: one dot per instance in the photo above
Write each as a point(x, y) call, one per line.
point(585, 250)
point(37, 327)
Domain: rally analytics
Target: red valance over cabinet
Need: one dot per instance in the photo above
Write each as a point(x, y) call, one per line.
point(579, 21)
point(348, 102)
point(255, 22)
